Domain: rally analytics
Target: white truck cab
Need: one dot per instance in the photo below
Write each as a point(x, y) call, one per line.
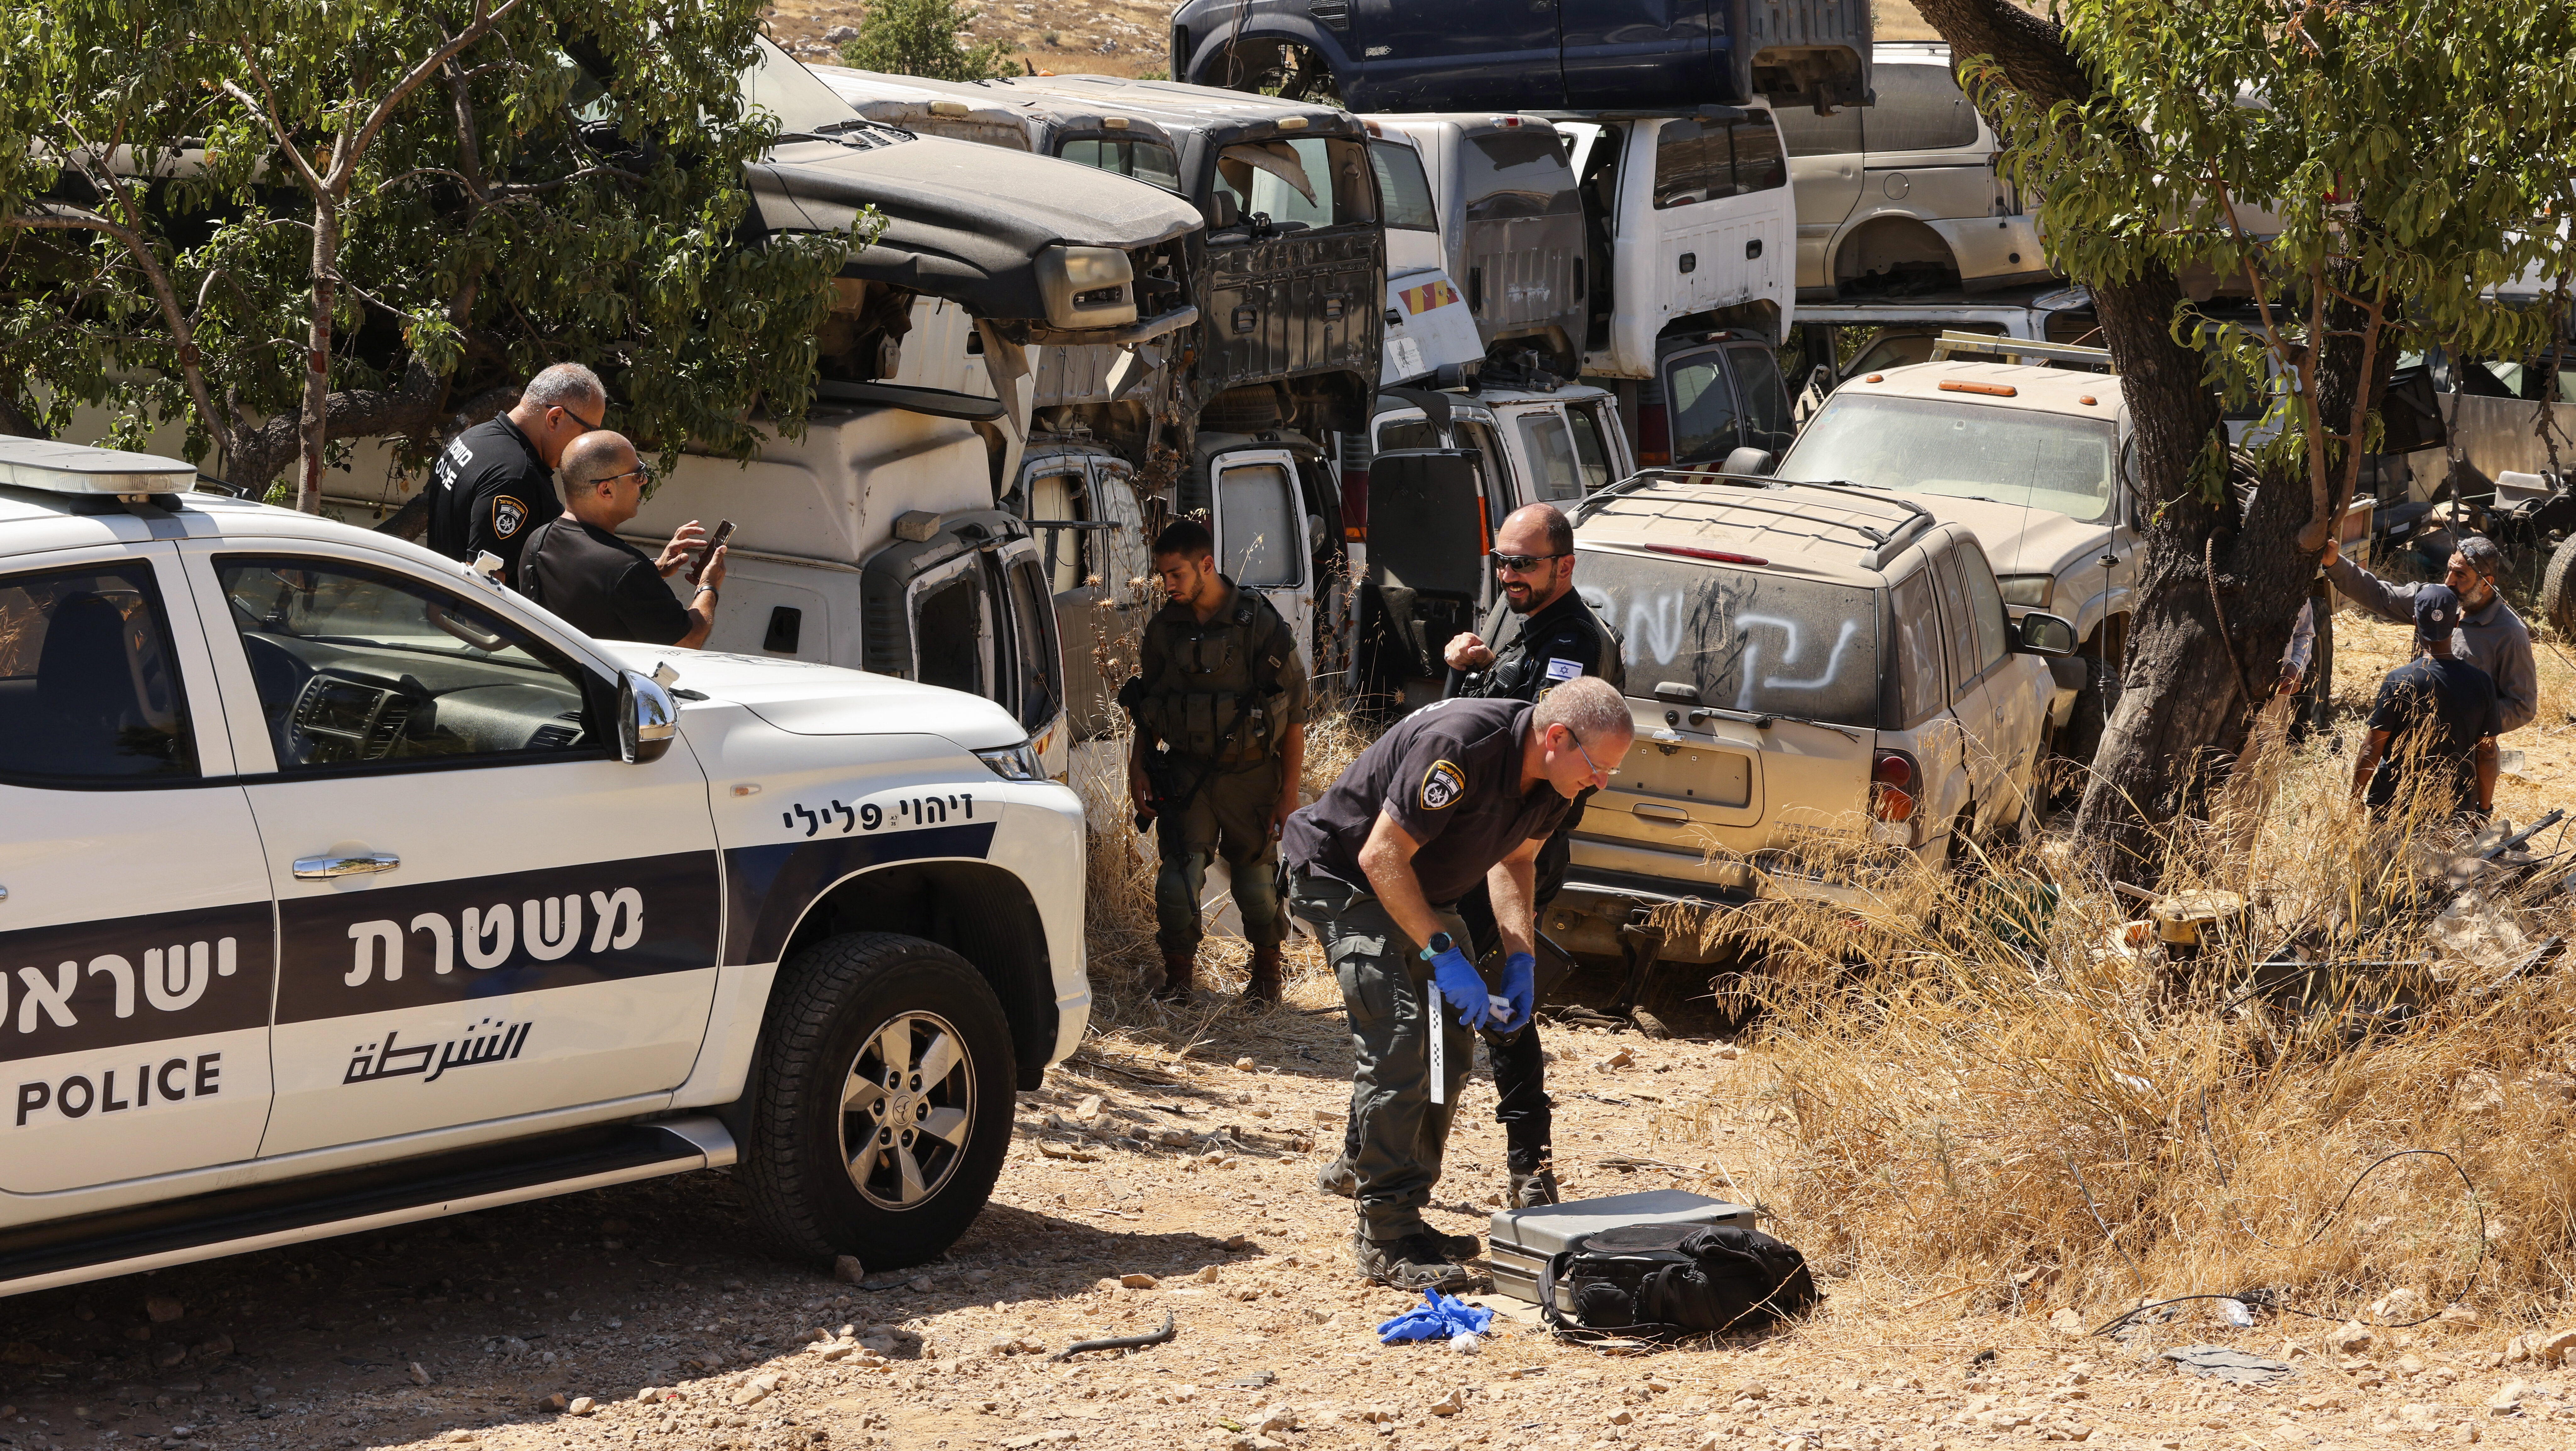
point(341, 887)
point(2036, 462)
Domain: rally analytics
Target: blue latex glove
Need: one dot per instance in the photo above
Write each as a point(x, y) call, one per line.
point(1520, 974)
point(1456, 978)
point(1438, 1317)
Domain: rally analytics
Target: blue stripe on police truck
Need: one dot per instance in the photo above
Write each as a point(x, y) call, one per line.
point(768, 887)
point(106, 984)
point(392, 947)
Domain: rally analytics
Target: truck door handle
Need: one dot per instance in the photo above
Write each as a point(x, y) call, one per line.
point(323, 868)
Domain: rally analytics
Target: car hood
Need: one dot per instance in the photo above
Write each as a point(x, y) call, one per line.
point(826, 700)
point(2018, 540)
point(963, 221)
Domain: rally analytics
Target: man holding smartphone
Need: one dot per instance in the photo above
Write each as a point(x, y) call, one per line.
point(576, 566)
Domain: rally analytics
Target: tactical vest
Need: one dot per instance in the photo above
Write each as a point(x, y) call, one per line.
point(1213, 698)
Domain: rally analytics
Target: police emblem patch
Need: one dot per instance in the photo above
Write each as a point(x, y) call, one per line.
point(1442, 785)
point(507, 515)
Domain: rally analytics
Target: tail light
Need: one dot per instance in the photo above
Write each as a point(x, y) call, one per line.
point(1891, 786)
point(1654, 439)
point(1355, 504)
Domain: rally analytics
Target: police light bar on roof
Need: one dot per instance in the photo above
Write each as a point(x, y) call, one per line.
point(70, 468)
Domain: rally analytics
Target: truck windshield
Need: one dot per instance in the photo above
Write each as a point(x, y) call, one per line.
point(1745, 640)
point(803, 105)
point(1961, 451)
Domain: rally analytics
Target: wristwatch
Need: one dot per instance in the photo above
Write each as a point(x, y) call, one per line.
point(1440, 942)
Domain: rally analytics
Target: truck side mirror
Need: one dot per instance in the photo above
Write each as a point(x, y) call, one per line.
point(2046, 634)
point(646, 719)
point(1748, 460)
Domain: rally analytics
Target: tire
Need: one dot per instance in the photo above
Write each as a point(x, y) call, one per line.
point(2558, 588)
point(847, 1004)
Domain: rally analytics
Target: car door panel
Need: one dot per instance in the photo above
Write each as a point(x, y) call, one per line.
point(547, 933)
point(1261, 534)
point(1635, 53)
point(132, 1042)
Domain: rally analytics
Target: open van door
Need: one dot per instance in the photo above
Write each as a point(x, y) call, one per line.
point(1426, 566)
point(1263, 541)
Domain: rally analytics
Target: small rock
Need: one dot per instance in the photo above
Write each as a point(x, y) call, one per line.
point(1090, 1107)
point(581, 1406)
point(419, 1377)
point(2553, 1348)
point(649, 1393)
point(847, 1269)
point(2461, 1315)
point(2465, 1433)
point(1208, 1274)
point(2508, 1397)
point(2410, 1365)
point(1621, 1418)
point(554, 1403)
point(840, 33)
point(1238, 1241)
point(1279, 1419)
point(1243, 1065)
point(1729, 1050)
point(1621, 1059)
point(163, 1308)
point(169, 1357)
point(1450, 1404)
point(2067, 1322)
point(2350, 1338)
point(1137, 1282)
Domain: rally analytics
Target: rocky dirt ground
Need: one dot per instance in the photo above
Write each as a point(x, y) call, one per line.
point(1094, 37)
point(1169, 1170)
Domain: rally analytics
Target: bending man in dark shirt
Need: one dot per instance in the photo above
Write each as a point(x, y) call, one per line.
point(2437, 720)
point(601, 585)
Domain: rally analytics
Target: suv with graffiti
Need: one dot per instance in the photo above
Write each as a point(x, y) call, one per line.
point(343, 887)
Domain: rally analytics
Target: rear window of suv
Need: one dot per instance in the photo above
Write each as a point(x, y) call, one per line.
point(1746, 640)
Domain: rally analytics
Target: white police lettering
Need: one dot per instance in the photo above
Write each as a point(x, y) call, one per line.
point(174, 1080)
point(876, 815)
point(172, 979)
point(547, 928)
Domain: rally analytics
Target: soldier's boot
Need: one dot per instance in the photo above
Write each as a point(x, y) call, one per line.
point(1178, 970)
point(1261, 984)
point(1414, 1262)
point(1531, 1190)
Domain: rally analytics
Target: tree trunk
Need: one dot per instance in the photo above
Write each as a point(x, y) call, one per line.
point(313, 420)
point(2192, 682)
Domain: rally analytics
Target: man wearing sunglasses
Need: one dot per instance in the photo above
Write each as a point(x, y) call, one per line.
point(493, 483)
point(2490, 635)
point(1543, 634)
point(598, 583)
point(1455, 797)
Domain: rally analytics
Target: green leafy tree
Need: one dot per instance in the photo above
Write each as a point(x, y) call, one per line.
point(920, 38)
point(2362, 174)
point(291, 226)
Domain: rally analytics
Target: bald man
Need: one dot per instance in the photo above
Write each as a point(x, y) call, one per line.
point(601, 585)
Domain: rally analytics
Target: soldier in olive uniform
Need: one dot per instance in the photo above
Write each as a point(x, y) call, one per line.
point(1219, 701)
point(1542, 634)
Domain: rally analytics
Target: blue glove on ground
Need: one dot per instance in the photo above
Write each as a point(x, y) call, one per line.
point(1520, 973)
point(1457, 980)
point(1438, 1317)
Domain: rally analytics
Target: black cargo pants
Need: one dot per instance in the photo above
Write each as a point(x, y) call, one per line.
point(1397, 1135)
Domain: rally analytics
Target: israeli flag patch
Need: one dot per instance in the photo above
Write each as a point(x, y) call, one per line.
point(1561, 670)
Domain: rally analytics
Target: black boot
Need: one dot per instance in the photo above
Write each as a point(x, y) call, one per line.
point(1178, 969)
point(1261, 979)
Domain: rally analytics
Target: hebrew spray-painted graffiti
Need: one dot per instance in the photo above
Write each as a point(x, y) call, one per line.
point(1744, 641)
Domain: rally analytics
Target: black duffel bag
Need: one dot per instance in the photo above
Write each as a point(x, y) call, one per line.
point(1665, 1281)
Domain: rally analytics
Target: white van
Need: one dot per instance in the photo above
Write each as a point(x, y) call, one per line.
point(1905, 193)
point(1689, 220)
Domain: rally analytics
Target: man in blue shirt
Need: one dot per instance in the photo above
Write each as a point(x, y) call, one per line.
point(2435, 723)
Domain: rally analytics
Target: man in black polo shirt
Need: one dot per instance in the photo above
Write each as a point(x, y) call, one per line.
point(2436, 721)
point(1459, 793)
point(1542, 634)
point(598, 583)
point(493, 484)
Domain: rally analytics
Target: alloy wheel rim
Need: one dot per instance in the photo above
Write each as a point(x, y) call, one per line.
point(907, 1102)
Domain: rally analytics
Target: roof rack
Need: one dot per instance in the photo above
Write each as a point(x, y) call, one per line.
point(1882, 546)
point(1950, 342)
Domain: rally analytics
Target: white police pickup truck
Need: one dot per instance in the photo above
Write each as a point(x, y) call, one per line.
point(340, 887)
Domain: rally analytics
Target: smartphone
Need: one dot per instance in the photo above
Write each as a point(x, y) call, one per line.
point(707, 551)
